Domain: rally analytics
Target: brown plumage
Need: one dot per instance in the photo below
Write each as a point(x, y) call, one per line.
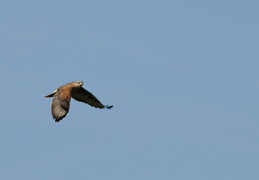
point(62, 97)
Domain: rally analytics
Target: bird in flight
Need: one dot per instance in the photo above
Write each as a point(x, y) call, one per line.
point(62, 96)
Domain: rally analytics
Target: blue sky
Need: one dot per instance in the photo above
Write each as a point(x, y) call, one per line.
point(182, 76)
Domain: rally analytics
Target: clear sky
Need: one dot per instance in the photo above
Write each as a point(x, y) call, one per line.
point(182, 76)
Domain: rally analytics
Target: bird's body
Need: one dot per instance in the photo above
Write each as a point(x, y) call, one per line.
point(62, 96)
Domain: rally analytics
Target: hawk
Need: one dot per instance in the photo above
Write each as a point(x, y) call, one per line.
point(62, 97)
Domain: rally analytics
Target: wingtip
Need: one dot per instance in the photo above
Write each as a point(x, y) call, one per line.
point(108, 107)
point(57, 120)
point(51, 95)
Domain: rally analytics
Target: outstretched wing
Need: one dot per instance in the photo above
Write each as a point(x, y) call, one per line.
point(81, 94)
point(60, 103)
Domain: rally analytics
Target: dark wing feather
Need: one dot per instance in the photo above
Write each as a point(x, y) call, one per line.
point(81, 94)
point(60, 104)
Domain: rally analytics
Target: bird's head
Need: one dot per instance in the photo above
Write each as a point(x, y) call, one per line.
point(78, 83)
